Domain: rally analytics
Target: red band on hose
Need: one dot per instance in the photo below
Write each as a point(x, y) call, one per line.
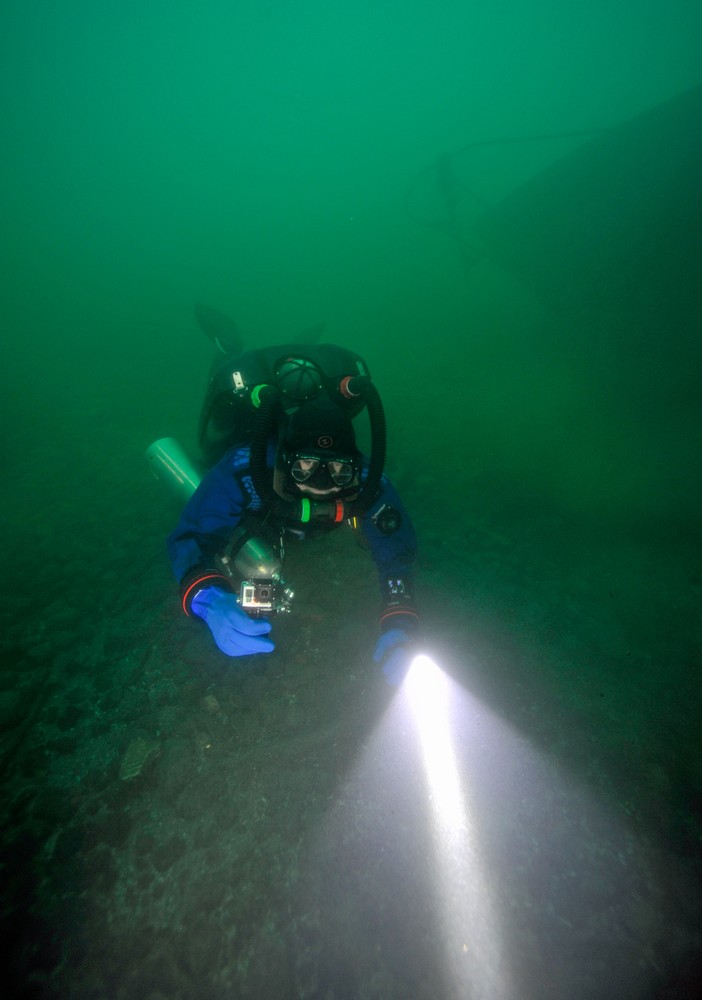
point(339, 515)
point(344, 388)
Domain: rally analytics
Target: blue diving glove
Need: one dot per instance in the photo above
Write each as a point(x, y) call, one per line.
point(393, 650)
point(234, 632)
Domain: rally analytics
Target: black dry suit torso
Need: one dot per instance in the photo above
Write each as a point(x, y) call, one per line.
point(248, 396)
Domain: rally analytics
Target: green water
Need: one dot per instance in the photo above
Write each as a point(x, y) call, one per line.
point(544, 431)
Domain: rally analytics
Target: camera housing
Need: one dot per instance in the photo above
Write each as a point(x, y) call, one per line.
point(259, 598)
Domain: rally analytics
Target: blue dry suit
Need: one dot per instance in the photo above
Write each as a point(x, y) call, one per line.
point(227, 492)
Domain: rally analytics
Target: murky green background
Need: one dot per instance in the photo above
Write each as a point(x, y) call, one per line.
point(275, 161)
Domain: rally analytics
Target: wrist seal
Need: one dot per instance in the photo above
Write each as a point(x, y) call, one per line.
point(200, 579)
point(399, 609)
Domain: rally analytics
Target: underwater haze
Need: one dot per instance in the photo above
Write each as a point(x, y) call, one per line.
point(500, 208)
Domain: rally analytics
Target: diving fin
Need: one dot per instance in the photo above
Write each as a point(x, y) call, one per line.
point(312, 335)
point(221, 330)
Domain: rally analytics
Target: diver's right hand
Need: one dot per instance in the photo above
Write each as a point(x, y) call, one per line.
point(234, 632)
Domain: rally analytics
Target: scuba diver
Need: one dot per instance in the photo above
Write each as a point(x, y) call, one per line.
point(276, 433)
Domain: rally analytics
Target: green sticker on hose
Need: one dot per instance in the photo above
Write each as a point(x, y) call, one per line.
point(256, 394)
point(306, 510)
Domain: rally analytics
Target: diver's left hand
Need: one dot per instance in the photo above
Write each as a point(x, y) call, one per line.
point(393, 650)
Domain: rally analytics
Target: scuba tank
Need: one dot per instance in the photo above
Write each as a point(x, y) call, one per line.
point(171, 466)
point(300, 371)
